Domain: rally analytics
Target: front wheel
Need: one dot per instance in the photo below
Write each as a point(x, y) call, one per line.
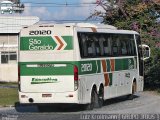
point(131, 96)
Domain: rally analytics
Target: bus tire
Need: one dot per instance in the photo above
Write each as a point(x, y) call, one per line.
point(94, 101)
point(101, 96)
point(131, 96)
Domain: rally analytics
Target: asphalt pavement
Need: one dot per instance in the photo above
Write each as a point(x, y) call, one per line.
point(145, 105)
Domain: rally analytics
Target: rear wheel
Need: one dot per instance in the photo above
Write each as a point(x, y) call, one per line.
point(101, 97)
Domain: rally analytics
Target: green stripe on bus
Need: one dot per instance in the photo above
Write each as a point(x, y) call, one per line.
point(99, 66)
point(69, 42)
point(34, 71)
point(84, 67)
point(124, 64)
point(110, 79)
point(118, 64)
point(88, 67)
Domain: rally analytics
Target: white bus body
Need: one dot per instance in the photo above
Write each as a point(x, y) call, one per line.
point(75, 63)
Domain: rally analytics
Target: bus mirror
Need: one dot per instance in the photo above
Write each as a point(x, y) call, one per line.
point(146, 51)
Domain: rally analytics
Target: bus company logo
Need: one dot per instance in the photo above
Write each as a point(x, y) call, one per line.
point(43, 80)
point(47, 43)
point(35, 44)
point(42, 43)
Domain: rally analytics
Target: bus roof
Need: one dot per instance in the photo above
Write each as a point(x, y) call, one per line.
point(87, 25)
point(83, 25)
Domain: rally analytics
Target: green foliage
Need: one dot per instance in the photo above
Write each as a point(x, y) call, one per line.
point(152, 78)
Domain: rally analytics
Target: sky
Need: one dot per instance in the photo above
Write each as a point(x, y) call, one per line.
point(46, 11)
point(57, 10)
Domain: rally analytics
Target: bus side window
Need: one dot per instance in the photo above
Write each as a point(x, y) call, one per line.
point(106, 46)
point(130, 45)
point(83, 44)
point(97, 45)
point(123, 47)
point(119, 46)
point(114, 45)
point(91, 46)
point(90, 50)
point(101, 44)
point(133, 47)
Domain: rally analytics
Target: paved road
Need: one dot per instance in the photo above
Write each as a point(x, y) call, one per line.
point(143, 103)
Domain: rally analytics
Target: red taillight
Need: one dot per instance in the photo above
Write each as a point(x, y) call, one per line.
point(18, 73)
point(75, 73)
point(76, 78)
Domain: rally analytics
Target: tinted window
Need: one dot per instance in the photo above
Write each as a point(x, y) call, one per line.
point(106, 45)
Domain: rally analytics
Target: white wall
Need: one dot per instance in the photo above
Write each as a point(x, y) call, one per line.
point(9, 72)
point(13, 24)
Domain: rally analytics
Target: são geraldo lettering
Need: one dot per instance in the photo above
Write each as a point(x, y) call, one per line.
point(35, 44)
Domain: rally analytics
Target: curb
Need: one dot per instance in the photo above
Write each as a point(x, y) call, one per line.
point(7, 86)
point(7, 106)
point(3, 106)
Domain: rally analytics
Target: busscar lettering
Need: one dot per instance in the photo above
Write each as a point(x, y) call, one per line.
point(43, 80)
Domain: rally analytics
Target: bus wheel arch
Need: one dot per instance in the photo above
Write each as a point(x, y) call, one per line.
point(133, 90)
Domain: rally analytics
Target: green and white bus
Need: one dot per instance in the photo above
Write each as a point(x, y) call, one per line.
point(79, 63)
